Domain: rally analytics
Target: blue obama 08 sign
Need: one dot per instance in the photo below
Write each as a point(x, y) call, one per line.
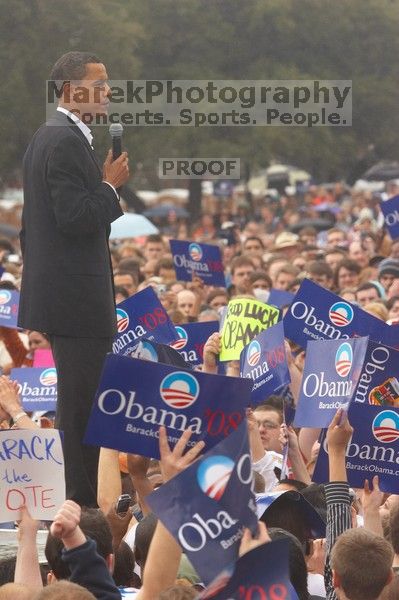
point(192, 339)
point(207, 505)
point(9, 303)
point(390, 210)
point(260, 574)
point(202, 260)
point(331, 373)
point(138, 317)
point(378, 382)
point(264, 361)
point(373, 449)
point(37, 387)
point(316, 314)
point(135, 397)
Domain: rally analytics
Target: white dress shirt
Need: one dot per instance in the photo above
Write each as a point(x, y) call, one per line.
point(86, 132)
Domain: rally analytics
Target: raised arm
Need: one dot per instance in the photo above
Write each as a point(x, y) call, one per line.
point(337, 490)
point(165, 553)
point(27, 569)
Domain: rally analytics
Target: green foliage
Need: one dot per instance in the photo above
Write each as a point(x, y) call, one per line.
point(220, 39)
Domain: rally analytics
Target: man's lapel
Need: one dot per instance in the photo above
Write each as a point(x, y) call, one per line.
point(65, 120)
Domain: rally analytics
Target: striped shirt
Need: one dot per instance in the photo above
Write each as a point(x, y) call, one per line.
point(338, 521)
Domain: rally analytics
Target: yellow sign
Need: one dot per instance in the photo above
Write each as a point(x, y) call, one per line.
point(245, 319)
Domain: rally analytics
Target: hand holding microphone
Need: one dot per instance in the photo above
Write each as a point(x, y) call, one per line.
point(116, 166)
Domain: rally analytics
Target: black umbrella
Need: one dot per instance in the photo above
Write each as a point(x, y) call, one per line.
point(163, 210)
point(382, 171)
point(318, 224)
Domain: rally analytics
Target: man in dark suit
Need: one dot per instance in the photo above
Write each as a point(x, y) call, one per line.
point(67, 288)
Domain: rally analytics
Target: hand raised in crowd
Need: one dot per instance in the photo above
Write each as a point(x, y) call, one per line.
point(287, 434)
point(255, 440)
point(137, 466)
point(27, 526)
point(249, 541)
point(316, 562)
point(339, 432)
point(119, 524)
point(10, 404)
point(233, 368)
point(27, 569)
point(211, 352)
point(372, 499)
point(116, 172)
point(66, 525)
point(175, 461)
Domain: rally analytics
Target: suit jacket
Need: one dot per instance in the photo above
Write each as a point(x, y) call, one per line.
point(67, 286)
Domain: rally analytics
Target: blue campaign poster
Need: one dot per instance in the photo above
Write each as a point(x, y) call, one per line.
point(141, 316)
point(318, 314)
point(378, 382)
point(280, 298)
point(9, 303)
point(331, 373)
point(261, 573)
point(207, 505)
point(135, 397)
point(201, 260)
point(192, 339)
point(37, 387)
point(264, 362)
point(373, 449)
point(390, 210)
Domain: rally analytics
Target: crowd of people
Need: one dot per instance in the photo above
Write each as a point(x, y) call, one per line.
point(332, 235)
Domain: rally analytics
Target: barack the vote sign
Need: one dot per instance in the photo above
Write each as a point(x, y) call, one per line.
point(263, 573)
point(378, 382)
point(37, 387)
point(207, 505)
point(31, 473)
point(9, 303)
point(136, 396)
point(201, 260)
point(141, 316)
point(317, 314)
point(390, 210)
point(264, 362)
point(332, 370)
point(192, 339)
point(245, 319)
point(373, 449)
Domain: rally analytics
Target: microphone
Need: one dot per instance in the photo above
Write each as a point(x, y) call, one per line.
point(116, 131)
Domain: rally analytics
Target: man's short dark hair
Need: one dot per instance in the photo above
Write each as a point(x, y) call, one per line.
point(95, 526)
point(241, 261)
point(368, 285)
point(320, 267)
point(154, 238)
point(163, 263)
point(72, 66)
point(253, 238)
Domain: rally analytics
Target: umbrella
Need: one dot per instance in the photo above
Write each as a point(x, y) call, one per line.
point(163, 210)
point(382, 171)
point(318, 224)
point(131, 225)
